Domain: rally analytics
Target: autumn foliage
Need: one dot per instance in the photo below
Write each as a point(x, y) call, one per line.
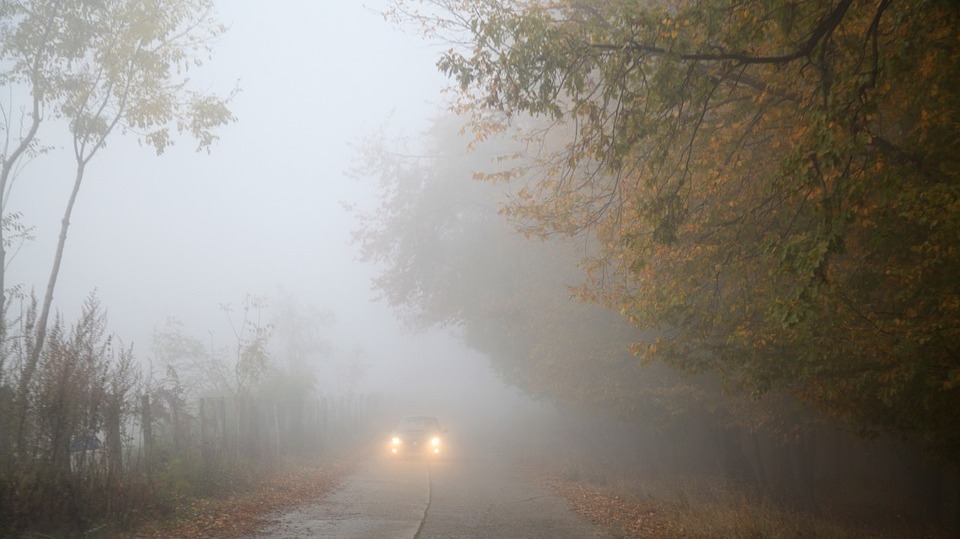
point(772, 187)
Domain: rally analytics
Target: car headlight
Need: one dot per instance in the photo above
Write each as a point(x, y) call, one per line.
point(395, 440)
point(435, 441)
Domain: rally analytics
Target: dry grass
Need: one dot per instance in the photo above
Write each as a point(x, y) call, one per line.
point(243, 513)
point(631, 506)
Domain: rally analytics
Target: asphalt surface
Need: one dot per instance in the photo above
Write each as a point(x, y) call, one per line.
point(469, 496)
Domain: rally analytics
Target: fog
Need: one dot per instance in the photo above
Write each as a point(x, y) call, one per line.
point(263, 213)
point(493, 342)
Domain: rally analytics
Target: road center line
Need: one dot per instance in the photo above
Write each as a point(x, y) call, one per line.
point(426, 510)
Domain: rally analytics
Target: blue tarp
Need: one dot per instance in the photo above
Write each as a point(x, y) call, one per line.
point(85, 443)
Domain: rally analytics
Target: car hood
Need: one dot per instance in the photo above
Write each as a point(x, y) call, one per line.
point(414, 434)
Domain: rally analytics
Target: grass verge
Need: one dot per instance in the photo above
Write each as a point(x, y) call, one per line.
point(711, 511)
point(241, 514)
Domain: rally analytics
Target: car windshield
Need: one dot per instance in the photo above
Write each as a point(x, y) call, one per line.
point(419, 423)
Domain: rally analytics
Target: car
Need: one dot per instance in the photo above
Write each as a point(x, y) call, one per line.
point(417, 435)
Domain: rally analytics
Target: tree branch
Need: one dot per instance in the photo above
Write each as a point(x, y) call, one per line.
point(825, 27)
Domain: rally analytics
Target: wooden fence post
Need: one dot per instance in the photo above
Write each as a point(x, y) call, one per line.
point(146, 425)
point(276, 427)
point(323, 415)
point(204, 436)
point(222, 423)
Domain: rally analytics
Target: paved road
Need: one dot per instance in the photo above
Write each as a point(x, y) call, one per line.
point(478, 496)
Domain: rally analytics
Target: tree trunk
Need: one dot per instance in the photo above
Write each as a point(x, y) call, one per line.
point(736, 467)
point(806, 466)
point(785, 478)
point(7, 169)
point(114, 446)
point(760, 468)
point(950, 500)
point(175, 416)
point(34, 356)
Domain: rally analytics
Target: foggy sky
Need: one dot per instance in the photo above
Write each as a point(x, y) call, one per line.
point(180, 234)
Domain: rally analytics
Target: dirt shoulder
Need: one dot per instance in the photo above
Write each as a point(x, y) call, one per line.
point(621, 516)
point(708, 516)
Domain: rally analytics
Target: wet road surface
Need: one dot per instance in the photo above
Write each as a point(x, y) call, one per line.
point(482, 496)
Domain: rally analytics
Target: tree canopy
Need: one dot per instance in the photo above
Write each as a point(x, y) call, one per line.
point(448, 258)
point(772, 186)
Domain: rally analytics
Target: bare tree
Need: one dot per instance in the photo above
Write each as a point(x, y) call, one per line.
point(112, 66)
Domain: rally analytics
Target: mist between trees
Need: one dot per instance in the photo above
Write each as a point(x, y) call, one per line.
point(772, 202)
point(757, 203)
point(454, 253)
point(731, 227)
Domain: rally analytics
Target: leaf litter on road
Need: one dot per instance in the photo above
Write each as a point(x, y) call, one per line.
point(242, 514)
